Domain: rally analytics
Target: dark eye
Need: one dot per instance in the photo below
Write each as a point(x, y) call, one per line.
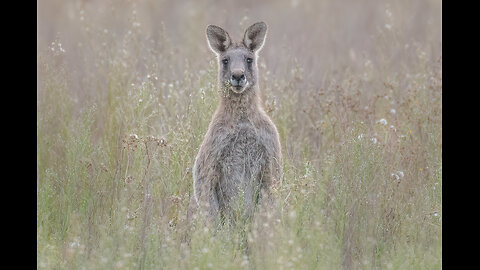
point(249, 60)
point(225, 61)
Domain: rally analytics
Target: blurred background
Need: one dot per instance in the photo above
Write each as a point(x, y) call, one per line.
point(324, 37)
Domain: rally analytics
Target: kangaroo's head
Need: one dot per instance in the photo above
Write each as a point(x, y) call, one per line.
point(237, 62)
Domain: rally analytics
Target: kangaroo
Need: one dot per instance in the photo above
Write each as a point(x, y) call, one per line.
point(240, 156)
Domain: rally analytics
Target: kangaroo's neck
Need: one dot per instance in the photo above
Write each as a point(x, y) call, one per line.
point(240, 105)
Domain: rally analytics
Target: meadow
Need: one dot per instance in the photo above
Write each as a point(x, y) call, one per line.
point(125, 93)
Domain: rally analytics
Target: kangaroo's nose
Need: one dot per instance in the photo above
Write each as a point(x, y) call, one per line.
point(238, 77)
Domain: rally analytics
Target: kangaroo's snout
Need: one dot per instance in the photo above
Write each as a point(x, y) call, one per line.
point(238, 78)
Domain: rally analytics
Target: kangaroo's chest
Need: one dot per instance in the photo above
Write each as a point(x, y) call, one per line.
point(243, 152)
point(243, 158)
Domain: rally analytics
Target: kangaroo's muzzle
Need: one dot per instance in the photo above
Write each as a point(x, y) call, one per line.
point(238, 81)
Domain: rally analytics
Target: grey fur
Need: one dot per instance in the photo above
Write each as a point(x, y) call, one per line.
point(240, 157)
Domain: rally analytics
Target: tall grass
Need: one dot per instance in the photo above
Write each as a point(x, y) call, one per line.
point(125, 94)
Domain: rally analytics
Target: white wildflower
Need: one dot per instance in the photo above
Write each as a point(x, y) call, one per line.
point(75, 244)
point(398, 175)
point(382, 121)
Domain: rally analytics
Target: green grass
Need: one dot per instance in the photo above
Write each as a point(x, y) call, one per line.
point(121, 114)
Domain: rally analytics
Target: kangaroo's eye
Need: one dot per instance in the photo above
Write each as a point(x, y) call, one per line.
point(225, 61)
point(249, 60)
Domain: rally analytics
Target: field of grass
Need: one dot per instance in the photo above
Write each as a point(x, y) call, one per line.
point(125, 93)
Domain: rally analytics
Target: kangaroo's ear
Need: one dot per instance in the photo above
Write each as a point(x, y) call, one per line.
point(218, 39)
point(255, 36)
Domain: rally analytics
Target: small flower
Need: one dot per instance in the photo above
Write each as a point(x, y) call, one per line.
point(382, 121)
point(398, 175)
point(74, 244)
